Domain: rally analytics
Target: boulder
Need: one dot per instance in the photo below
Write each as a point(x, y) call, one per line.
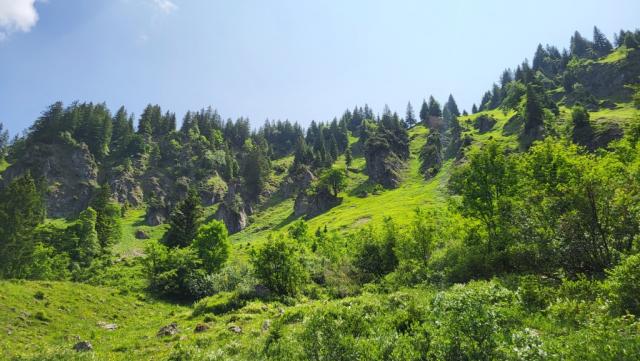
point(140, 234)
point(234, 218)
point(235, 329)
point(83, 346)
point(107, 326)
point(168, 330)
point(201, 327)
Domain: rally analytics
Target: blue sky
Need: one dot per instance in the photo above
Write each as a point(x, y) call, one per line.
point(293, 59)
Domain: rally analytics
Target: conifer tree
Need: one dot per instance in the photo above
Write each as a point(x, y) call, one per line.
point(533, 112)
point(88, 246)
point(410, 118)
point(4, 141)
point(539, 58)
point(580, 46)
point(256, 167)
point(601, 44)
point(474, 109)
point(424, 113)
point(108, 214)
point(348, 157)
point(184, 221)
point(452, 106)
point(21, 210)
point(434, 108)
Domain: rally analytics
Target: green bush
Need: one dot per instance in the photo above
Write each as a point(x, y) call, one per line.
point(624, 286)
point(212, 245)
point(279, 265)
point(218, 304)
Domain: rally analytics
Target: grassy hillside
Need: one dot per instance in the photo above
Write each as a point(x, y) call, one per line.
point(39, 318)
point(357, 210)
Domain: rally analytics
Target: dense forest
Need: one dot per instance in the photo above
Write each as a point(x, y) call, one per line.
point(507, 232)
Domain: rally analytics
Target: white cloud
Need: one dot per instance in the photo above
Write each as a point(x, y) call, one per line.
point(17, 15)
point(167, 6)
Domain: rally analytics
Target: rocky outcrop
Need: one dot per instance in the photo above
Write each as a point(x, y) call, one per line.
point(232, 211)
point(431, 156)
point(609, 79)
point(300, 179)
point(68, 170)
point(383, 166)
point(127, 189)
point(314, 203)
point(592, 139)
point(235, 219)
point(484, 123)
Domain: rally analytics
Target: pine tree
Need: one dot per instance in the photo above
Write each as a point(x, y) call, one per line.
point(533, 112)
point(88, 246)
point(424, 113)
point(580, 46)
point(506, 78)
point(256, 167)
point(452, 106)
point(601, 44)
point(539, 58)
point(108, 214)
point(184, 221)
point(4, 141)
point(474, 109)
point(21, 210)
point(434, 108)
point(348, 157)
point(410, 118)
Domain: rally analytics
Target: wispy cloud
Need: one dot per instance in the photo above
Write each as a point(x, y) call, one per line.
point(18, 15)
point(167, 6)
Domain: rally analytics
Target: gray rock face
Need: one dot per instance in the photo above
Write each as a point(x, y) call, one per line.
point(311, 205)
point(127, 189)
point(232, 211)
point(299, 180)
point(484, 123)
point(235, 219)
point(69, 172)
point(608, 80)
point(383, 167)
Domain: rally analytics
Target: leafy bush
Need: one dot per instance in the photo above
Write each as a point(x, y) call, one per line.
point(212, 244)
point(624, 286)
point(173, 271)
point(280, 267)
point(218, 304)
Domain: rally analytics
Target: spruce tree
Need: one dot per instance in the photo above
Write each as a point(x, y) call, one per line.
point(88, 244)
point(424, 113)
point(452, 106)
point(539, 58)
point(108, 214)
point(348, 159)
point(434, 108)
point(533, 111)
point(601, 44)
point(184, 221)
point(580, 46)
point(474, 109)
point(410, 118)
point(21, 210)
